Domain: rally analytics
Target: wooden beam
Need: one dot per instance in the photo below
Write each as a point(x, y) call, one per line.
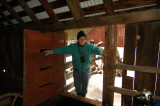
point(75, 9)
point(124, 91)
point(10, 9)
point(29, 11)
point(49, 10)
point(83, 99)
point(128, 92)
point(129, 58)
point(122, 4)
point(109, 73)
point(148, 15)
point(6, 18)
point(86, 11)
point(158, 3)
point(108, 5)
point(145, 69)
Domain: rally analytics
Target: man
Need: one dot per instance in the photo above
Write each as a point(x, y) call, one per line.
point(81, 60)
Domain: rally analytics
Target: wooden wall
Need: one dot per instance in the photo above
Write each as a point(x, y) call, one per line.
point(11, 59)
point(11, 48)
point(143, 52)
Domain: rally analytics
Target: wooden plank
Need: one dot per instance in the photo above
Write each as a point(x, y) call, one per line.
point(132, 17)
point(129, 56)
point(108, 5)
point(128, 92)
point(75, 9)
point(88, 10)
point(83, 99)
point(49, 10)
point(35, 43)
point(149, 54)
point(132, 3)
point(136, 68)
point(158, 76)
point(158, 3)
point(29, 11)
point(138, 75)
point(58, 70)
point(109, 74)
point(38, 95)
point(10, 9)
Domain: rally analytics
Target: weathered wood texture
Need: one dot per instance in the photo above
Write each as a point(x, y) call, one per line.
point(109, 73)
point(83, 99)
point(49, 10)
point(147, 55)
point(44, 75)
point(75, 9)
point(128, 92)
point(158, 76)
point(129, 58)
point(132, 17)
point(145, 69)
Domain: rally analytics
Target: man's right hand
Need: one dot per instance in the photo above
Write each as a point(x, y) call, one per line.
point(48, 52)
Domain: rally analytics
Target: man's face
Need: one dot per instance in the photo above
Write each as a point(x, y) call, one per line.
point(82, 40)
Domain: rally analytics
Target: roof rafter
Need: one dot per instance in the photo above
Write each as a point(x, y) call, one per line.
point(108, 5)
point(158, 3)
point(75, 9)
point(10, 9)
point(49, 10)
point(29, 11)
point(131, 3)
point(6, 18)
point(132, 17)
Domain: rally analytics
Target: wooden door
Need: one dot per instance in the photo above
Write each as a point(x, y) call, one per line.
point(43, 75)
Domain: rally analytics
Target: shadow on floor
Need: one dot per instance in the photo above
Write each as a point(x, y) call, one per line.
point(64, 101)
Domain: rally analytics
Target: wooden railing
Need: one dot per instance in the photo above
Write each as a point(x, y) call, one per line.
point(129, 92)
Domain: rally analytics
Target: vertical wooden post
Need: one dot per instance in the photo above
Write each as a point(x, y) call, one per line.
point(129, 57)
point(109, 74)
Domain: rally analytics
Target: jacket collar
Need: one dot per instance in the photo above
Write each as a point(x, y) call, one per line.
point(80, 45)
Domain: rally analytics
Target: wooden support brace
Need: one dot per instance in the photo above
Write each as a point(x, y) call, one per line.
point(128, 92)
point(136, 68)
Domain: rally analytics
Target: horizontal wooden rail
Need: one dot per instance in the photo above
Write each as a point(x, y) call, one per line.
point(146, 69)
point(124, 91)
point(128, 92)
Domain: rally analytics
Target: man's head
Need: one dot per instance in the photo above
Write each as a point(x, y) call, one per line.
point(81, 38)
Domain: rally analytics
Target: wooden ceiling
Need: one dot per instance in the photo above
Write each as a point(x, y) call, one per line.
point(80, 14)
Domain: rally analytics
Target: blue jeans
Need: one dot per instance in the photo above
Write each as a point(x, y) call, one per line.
point(81, 81)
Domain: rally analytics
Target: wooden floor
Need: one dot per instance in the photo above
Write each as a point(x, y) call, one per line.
point(68, 100)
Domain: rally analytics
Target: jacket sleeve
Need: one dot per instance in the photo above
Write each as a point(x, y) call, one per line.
point(95, 50)
point(63, 50)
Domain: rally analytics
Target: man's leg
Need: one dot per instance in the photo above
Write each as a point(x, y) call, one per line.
point(77, 81)
point(85, 81)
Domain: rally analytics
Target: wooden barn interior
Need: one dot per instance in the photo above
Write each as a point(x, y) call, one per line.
point(28, 27)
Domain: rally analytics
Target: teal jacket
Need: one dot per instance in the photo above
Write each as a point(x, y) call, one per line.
point(87, 50)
